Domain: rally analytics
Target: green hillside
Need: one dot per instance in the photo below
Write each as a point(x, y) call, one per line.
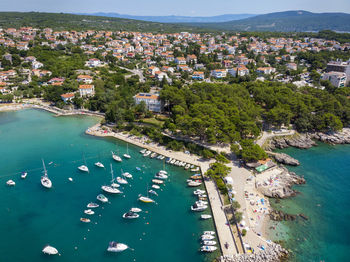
point(60, 21)
point(290, 21)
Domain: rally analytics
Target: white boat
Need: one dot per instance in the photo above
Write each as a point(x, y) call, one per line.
point(24, 175)
point(198, 192)
point(130, 215)
point(127, 152)
point(116, 157)
point(147, 153)
point(195, 169)
point(116, 185)
point(169, 160)
point(153, 155)
point(177, 163)
point(209, 233)
point(89, 212)
point(161, 157)
point(201, 202)
point(116, 247)
point(49, 250)
point(205, 216)
point(143, 151)
point(198, 208)
point(172, 161)
point(157, 181)
point(121, 180)
point(145, 199)
point(155, 186)
point(163, 172)
point(111, 190)
point(92, 205)
point(208, 248)
point(187, 166)
point(202, 195)
point(126, 174)
point(153, 192)
point(209, 242)
point(194, 183)
point(83, 168)
point(207, 237)
point(135, 209)
point(99, 164)
point(161, 176)
point(10, 183)
point(45, 181)
point(102, 198)
point(70, 179)
point(85, 220)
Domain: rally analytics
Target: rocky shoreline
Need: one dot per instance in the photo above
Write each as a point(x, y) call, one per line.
point(283, 189)
point(307, 140)
point(273, 252)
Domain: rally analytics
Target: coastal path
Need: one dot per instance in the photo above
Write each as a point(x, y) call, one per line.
point(267, 135)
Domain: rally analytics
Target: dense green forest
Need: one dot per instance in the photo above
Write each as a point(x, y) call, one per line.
point(60, 21)
point(229, 113)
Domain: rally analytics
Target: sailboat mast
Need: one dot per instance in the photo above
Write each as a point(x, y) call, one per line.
point(45, 172)
point(112, 173)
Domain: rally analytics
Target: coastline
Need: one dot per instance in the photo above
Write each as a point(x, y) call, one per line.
point(254, 238)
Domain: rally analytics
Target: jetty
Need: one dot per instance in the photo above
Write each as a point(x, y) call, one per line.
point(224, 233)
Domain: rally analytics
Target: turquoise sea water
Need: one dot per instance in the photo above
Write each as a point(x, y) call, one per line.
point(325, 199)
point(32, 216)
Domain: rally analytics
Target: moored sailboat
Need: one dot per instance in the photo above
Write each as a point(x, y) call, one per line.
point(45, 181)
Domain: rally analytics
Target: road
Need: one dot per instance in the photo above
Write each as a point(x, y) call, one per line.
point(138, 72)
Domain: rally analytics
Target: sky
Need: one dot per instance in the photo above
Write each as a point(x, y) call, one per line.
point(175, 7)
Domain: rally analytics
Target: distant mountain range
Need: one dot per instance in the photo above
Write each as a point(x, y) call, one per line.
point(289, 21)
point(175, 18)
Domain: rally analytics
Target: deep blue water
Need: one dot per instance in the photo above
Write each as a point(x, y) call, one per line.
point(325, 199)
point(32, 217)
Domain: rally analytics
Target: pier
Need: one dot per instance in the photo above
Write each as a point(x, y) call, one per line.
point(224, 233)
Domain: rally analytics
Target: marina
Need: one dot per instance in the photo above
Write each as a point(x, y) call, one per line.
point(106, 224)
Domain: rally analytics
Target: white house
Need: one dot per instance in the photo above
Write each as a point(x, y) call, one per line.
point(94, 62)
point(86, 90)
point(218, 73)
point(37, 65)
point(152, 101)
point(67, 97)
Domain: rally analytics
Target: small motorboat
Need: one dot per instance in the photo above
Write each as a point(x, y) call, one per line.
point(197, 176)
point(157, 181)
point(153, 192)
point(207, 237)
point(130, 215)
point(201, 202)
point(127, 175)
point(143, 151)
point(163, 172)
point(147, 153)
point(102, 198)
point(83, 168)
point(116, 185)
point(155, 186)
point(195, 169)
point(145, 199)
point(194, 183)
point(209, 242)
point(121, 181)
point(85, 220)
point(208, 248)
point(126, 155)
point(111, 190)
point(116, 247)
point(138, 169)
point(92, 205)
point(187, 166)
point(172, 161)
point(24, 175)
point(205, 216)
point(198, 192)
point(169, 160)
point(153, 155)
point(209, 233)
point(11, 183)
point(49, 250)
point(99, 164)
point(89, 212)
point(160, 176)
point(135, 209)
point(198, 208)
point(70, 179)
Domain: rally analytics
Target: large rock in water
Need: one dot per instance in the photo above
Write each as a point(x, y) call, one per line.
point(286, 159)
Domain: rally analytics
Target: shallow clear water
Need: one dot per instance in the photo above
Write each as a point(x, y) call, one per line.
point(325, 200)
point(32, 216)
